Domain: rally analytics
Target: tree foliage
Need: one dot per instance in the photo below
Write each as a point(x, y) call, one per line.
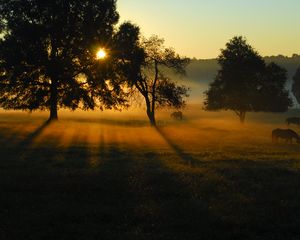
point(48, 52)
point(245, 83)
point(145, 67)
point(296, 85)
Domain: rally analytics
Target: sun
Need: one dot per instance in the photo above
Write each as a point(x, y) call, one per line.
point(101, 54)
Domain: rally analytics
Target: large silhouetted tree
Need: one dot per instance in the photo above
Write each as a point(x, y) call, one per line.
point(47, 55)
point(145, 64)
point(245, 83)
point(296, 85)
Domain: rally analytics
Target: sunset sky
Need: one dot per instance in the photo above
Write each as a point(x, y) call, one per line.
point(199, 28)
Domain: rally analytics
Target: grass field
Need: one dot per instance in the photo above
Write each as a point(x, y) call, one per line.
point(111, 176)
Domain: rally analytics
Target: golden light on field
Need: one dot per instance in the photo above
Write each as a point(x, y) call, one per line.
point(101, 54)
point(204, 137)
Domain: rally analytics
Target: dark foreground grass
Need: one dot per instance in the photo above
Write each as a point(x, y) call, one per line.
point(80, 187)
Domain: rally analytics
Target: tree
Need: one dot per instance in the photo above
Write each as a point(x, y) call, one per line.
point(145, 65)
point(47, 55)
point(296, 85)
point(245, 83)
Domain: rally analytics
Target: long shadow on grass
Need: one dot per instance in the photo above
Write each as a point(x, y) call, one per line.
point(114, 122)
point(263, 195)
point(228, 200)
point(130, 195)
point(178, 150)
point(134, 195)
point(9, 140)
point(32, 136)
point(76, 155)
point(39, 193)
point(13, 150)
point(8, 137)
point(40, 155)
point(167, 208)
point(92, 202)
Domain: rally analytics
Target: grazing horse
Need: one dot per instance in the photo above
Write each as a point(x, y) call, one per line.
point(293, 120)
point(177, 115)
point(286, 134)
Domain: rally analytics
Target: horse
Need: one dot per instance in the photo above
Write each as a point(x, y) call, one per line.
point(177, 115)
point(286, 134)
point(293, 120)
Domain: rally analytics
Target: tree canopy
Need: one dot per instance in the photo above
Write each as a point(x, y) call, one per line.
point(145, 68)
point(48, 55)
point(245, 83)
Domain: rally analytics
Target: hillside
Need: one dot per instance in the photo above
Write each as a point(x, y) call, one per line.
point(201, 72)
point(205, 69)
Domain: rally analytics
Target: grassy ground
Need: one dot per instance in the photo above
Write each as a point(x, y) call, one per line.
point(113, 177)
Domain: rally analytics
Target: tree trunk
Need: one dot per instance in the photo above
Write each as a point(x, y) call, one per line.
point(151, 104)
point(242, 116)
point(150, 113)
point(151, 118)
point(53, 101)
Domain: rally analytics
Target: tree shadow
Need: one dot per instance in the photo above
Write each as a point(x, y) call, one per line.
point(112, 122)
point(167, 202)
point(17, 147)
point(134, 191)
point(9, 137)
point(187, 158)
point(32, 136)
point(76, 155)
point(133, 194)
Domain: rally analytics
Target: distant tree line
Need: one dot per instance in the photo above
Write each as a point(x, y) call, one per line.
point(48, 61)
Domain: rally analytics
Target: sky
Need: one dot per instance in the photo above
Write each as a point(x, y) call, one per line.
point(200, 28)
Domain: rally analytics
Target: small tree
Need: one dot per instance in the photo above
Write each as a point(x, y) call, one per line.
point(48, 55)
point(296, 85)
point(145, 64)
point(245, 83)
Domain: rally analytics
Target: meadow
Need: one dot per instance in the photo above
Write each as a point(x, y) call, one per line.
point(108, 175)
